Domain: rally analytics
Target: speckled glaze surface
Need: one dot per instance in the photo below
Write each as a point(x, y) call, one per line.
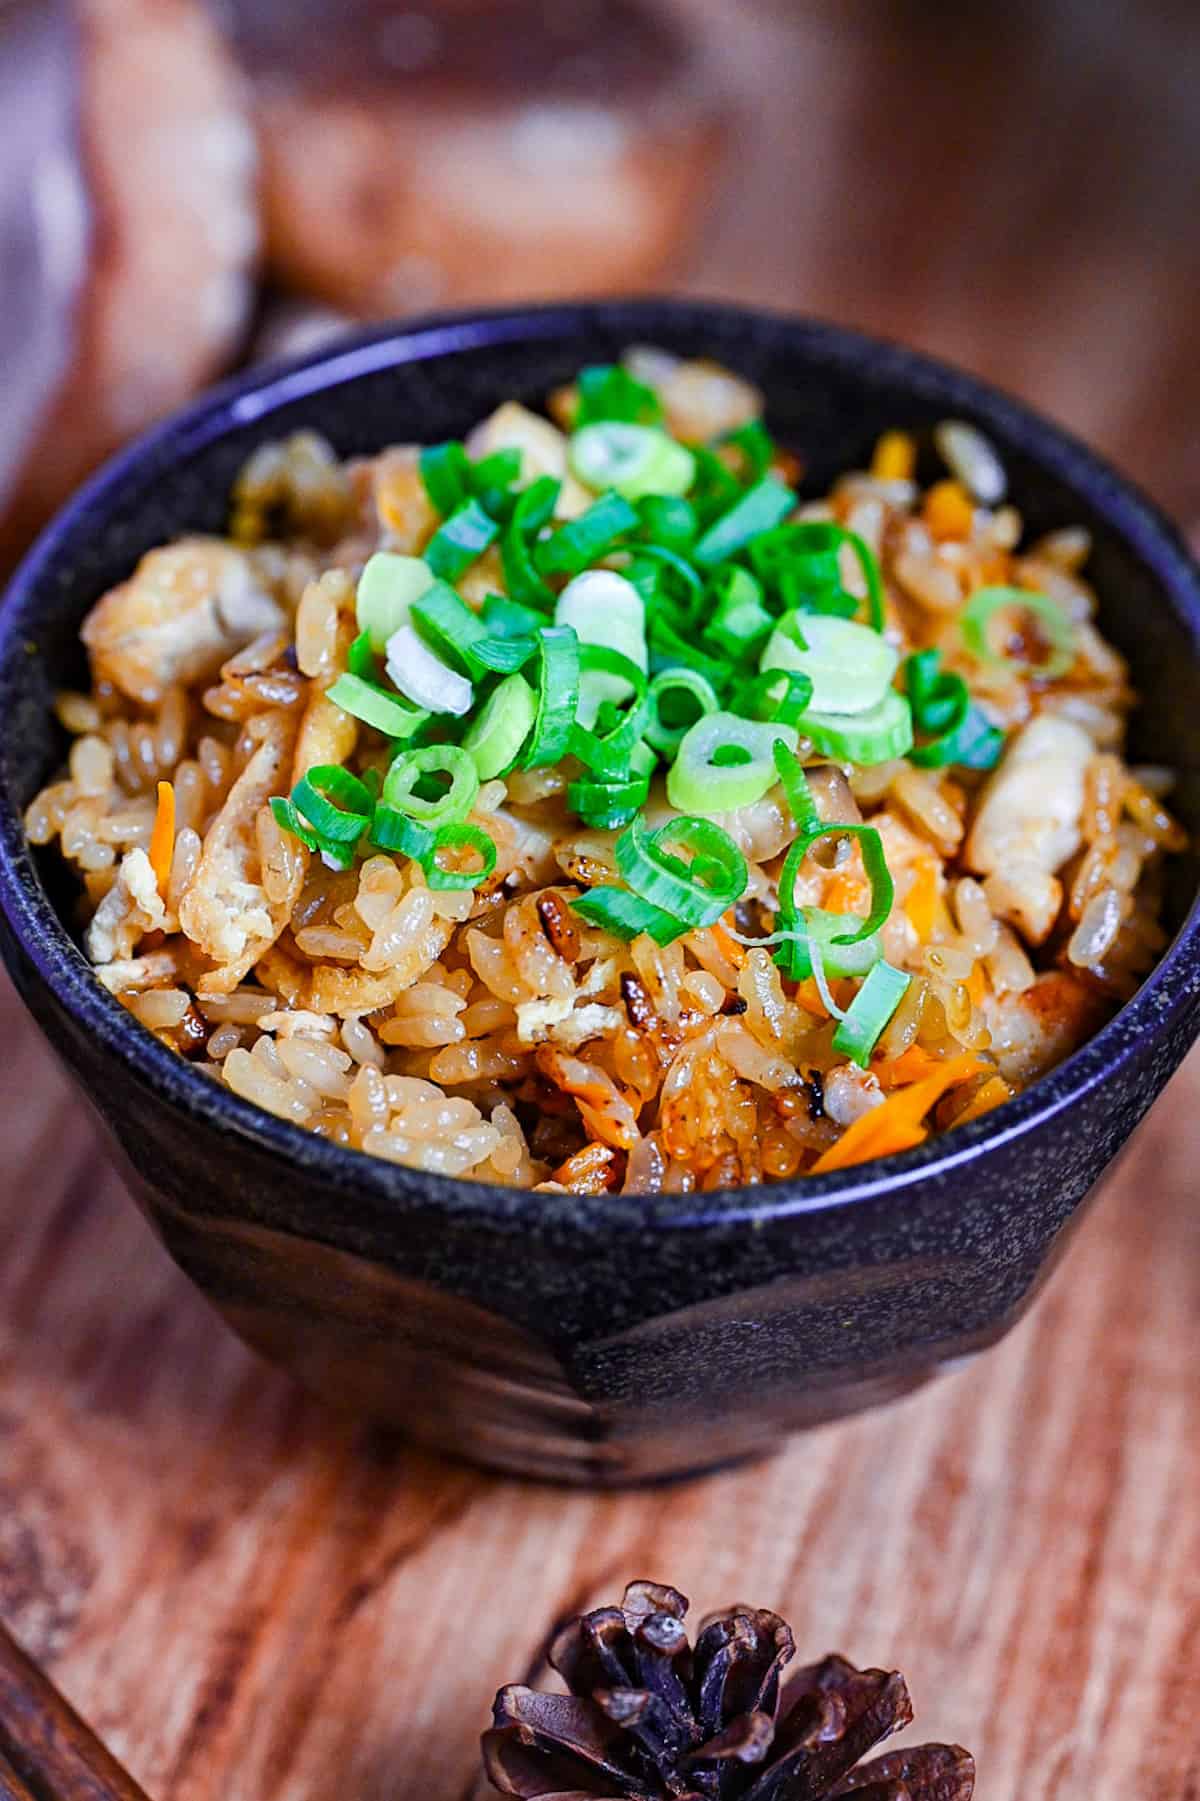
point(595, 1339)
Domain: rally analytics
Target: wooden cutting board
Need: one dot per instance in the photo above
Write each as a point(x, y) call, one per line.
point(252, 1601)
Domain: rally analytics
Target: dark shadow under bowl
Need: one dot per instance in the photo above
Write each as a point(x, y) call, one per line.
point(611, 1338)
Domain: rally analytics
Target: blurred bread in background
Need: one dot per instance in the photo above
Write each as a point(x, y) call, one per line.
point(155, 166)
point(475, 149)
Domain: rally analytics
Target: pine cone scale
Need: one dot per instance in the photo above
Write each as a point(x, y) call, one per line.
point(651, 1718)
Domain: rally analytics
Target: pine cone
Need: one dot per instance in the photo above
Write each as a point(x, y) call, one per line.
point(649, 1718)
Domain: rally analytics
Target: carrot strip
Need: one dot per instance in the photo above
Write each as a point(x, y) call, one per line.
point(993, 1094)
point(921, 901)
point(897, 1125)
point(910, 1066)
point(730, 949)
point(894, 458)
point(162, 838)
point(948, 510)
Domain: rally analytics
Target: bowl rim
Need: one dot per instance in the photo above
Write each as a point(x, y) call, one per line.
point(1170, 990)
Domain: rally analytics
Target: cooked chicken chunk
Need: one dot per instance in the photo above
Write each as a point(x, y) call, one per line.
point(185, 609)
point(1031, 806)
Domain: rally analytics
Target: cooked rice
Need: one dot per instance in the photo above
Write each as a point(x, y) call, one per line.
point(496, 1034)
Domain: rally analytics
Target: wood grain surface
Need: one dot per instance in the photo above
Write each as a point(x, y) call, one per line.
point(252, 1601)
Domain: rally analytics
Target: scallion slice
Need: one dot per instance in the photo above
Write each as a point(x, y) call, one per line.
point(633, 460)
point(754, 444)
point(360, 658)
point(606, 805)
point(445, 471)
point(334, 803)
point(605, 609)
point(375, 707)
point(985, 603)
point(583, 541)
point(739, 621)
point(608, 391)
point(693, 693)
point(289, 820)
point(496, 736)
point(850, 666)
point(801, 563)
point(757, 510)
point(783, 695)
point(492, 480)
point(607, 750)
point(412, 766)
point(955, 730)
point(869, 1012)
point(461, 540)
point(396, 831)
point(458, 635)
point(668, 521)
point(669, 649)
point(696, 893)
point(724, 762)
point(387, 588)
point(627, 915)
point(558, 696)
point(863, 738)
point(424, 677)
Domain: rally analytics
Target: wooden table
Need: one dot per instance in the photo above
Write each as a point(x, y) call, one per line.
point(254, 1602)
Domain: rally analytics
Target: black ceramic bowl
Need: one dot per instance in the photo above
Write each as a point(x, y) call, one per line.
point(613, 1338)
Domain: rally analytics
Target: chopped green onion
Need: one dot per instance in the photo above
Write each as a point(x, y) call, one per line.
point(802, 563)
point(796, 791)
point(445, 471)
point(739, 621)
point(757, 510)
point(985, 603)
point(724, 762)
point(715, 488)
point(335, 804)
point(289, 820)
point(424, 677)
point(697, 893)
point(458, 635)
point(605, 805)
point(869, 1012)
point(411, 766)
point(360, 658)
point(606, 609)
point(506, 618)
point(396, 831)
point(863, 738)
point(492, 480)
point(558, 697)
point(665, 734)
point(463, 539)
point(670, 650)
point(816, 926)
point(583, 541)
point(387, 588)
point(633, 460)
point(849, 665)
point(497, 734)
point(874, 862)
point(607, 752)
point(668, 521)
point(671, 560)
point(375, 707)
point(782, 695)
point(608, 391)
point(957, 730)
point(627, 915)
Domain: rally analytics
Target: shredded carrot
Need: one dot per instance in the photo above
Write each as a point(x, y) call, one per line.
point(948, 510)
point(977, 985)
point(895, 457)
point(844, 892)
point(730, 949)
point(162, 838)
point(910, 1066)
point(992, 1094)
point(921, 901)
point(897, 1125)
point(808, 996)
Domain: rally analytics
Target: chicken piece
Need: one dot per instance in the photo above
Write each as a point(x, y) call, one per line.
point(543, 452)
point(1033, 1031)
point(131, 908)
point(1026, 897)
point(185, 609)
point(226, 910)
point(700, 399)
point(1031, 807)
